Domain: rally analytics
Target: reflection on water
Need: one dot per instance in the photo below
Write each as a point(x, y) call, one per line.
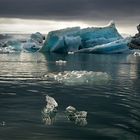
point(113, 107)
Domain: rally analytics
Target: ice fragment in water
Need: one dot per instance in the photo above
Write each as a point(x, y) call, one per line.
point(78, 117)
point(79, 77)
point(60, 62)
point(49, 112)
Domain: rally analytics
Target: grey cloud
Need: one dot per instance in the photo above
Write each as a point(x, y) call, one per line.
point(71, 9)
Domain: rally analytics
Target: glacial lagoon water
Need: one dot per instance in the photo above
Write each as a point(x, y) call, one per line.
point(112, 99)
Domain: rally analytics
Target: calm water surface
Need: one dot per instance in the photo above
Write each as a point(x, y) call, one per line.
point(113, 107)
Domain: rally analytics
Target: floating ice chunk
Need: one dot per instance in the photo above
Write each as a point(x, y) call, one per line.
point(79, 117)
point(49, 112)
point(37, 37)
point(6, 50)
point(70, 52)
point(119, 46)
point(3, 123)
point(71, 109)
point(79, 77)
point(60, 62)
point(34, 43)
point(81, 114)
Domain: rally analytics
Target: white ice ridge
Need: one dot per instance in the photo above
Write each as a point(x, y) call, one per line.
point(79, 77)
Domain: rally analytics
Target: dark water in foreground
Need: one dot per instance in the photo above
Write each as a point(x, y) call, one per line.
point(113, 107)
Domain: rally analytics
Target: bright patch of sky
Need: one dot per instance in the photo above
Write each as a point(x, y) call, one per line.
point(27, 26)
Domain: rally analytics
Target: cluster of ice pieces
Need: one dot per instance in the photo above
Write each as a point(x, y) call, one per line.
point(33, 44)
point(11, 46)
point(79, 117)
point(50, 111)
point(79, 77)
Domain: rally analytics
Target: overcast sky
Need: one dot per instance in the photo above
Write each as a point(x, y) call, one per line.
point(126, 13)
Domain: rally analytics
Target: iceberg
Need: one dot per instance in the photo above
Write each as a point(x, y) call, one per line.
point(75, 38)
point(37, 37)
point(13, 45)
point(34, 43)
point(119, 46)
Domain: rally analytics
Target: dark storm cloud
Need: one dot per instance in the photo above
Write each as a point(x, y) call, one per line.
point(71, 9)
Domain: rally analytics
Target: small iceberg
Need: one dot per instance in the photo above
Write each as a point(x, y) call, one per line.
point(38, 37)
point(11, 46)
point(49, 112)
point(34, 43)
point(78, 117)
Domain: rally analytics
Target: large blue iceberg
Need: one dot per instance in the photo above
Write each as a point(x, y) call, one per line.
point(90, 40)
